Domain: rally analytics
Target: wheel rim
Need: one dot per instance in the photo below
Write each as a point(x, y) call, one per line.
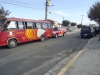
point(42, 39)
point(56, 36)
point(64, 34)
point(12, 44)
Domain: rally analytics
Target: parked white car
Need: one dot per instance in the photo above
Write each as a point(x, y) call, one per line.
point(68, 30)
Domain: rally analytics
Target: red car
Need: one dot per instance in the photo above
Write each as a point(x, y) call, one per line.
point(59, 31)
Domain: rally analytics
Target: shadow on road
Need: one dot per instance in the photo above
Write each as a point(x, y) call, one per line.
point(24, 44)
point(3, 48)
point(86, 37)
point(21, 44)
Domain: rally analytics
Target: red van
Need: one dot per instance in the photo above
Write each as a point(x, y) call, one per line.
point(18, 30)
point(59, 31)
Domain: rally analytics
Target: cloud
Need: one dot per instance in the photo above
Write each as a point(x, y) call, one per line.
point(60, 13)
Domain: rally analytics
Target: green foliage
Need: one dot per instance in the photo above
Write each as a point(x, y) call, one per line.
point(65, 23)
point(92, 25)
point(94, 12)
point(84, 25)
point(3, 13)
point(73, 24)
point(79, 26)
point(51, 21)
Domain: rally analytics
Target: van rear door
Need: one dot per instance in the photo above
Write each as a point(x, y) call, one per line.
point(86, 30)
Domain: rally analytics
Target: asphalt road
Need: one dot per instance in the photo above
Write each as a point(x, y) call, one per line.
point(36, 58)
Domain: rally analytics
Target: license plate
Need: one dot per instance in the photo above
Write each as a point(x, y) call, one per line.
point(85, 34)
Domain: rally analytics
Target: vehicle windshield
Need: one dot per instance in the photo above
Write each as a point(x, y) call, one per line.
point(85, 28)
point(55, 28)
point(1, 22)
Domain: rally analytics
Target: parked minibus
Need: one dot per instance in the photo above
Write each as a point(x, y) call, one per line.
point(18, 30)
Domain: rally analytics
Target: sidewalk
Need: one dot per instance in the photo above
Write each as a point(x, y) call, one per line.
point(88, 63)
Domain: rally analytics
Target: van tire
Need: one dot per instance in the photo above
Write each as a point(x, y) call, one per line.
point(56, 35)
point(82, 36)
point(42, 38)
point(64, 34)
point(12, 43)
point(92, 36)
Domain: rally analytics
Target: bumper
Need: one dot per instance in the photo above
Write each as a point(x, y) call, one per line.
point(53, 34)
point(86, 34)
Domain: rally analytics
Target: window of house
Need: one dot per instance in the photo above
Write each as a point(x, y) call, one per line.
point(44, 26)
point(38, 25)
point(21, 25)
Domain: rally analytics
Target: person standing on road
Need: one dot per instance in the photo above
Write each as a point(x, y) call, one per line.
point(97, 30)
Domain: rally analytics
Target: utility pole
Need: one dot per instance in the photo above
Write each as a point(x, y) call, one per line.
point(82, 19)
point(63, 18)
point(47, 3)
point(46, 10)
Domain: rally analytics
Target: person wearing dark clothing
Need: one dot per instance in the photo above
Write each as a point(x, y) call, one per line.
point(97, 30)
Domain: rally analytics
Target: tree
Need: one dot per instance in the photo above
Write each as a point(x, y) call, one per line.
point(65, 23)
point(51, 21)
point(92, 25)
point(84, 26)
point(73, 24)
point(79, 26)
point(94, 14)
point(4, 13)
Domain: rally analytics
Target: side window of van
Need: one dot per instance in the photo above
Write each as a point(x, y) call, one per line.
point(49, 26)
point(20, 25)
point(34, 25)
point(29, 25)
point(44, 26)
point(10, 25)
point(38, 25)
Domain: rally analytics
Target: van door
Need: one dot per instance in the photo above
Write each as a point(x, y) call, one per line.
point(50, 30)
point(45, 27)
point(8, 31)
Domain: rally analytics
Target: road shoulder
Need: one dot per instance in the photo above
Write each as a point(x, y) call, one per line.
point(88, 63)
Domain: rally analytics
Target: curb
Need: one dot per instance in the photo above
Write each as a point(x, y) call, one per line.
point(87, 43)
point(64, 69)
point(60, 68)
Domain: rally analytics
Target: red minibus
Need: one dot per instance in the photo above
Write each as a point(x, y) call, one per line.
point(18, 30)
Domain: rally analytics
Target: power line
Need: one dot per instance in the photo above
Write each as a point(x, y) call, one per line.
point(74, 9)
point(20, 5)
point(59, 2)
point(25, 3)
point(58, 15)
point(70, 7)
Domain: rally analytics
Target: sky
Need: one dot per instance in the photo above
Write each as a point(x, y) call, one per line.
point(71, 10)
